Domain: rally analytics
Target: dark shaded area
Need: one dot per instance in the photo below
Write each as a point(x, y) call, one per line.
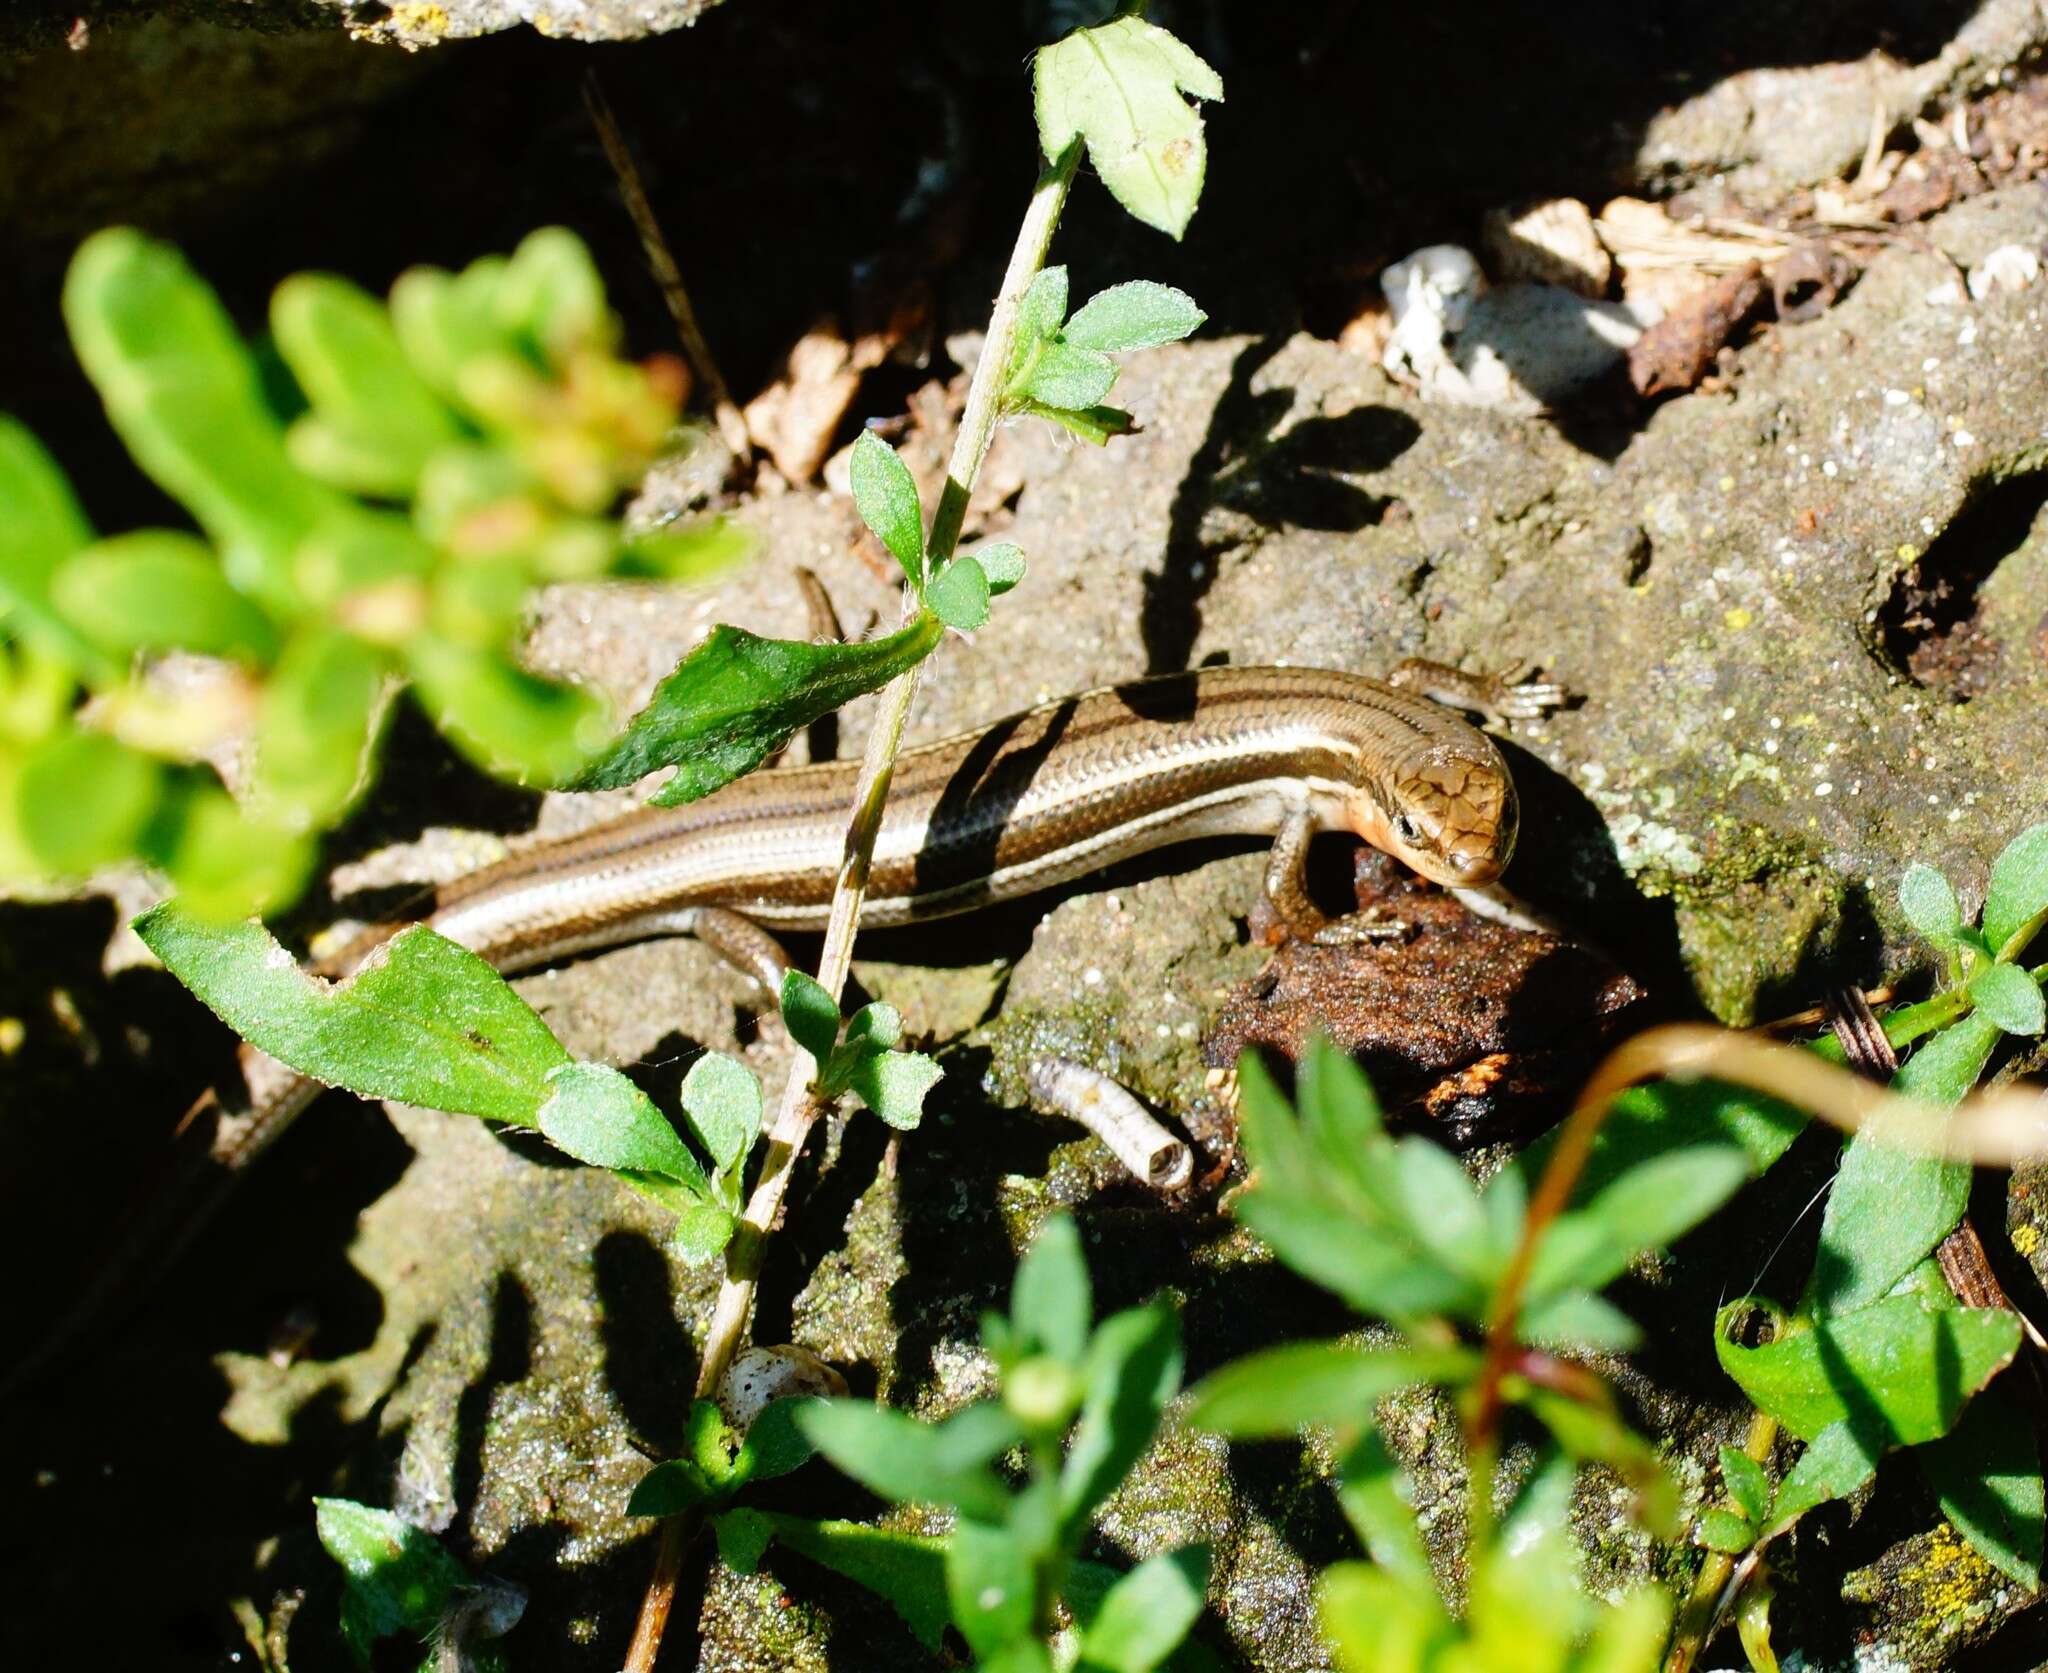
point(1930, 628)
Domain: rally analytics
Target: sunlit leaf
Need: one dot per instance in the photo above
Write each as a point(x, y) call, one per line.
point(922, 1463)
point(1929, 902)
point(598, 1116)
point(1378, 1502)
point(1133, 1369)
point(423, 1021)
point(894, 1083)
point(1986, 1474)
point(886, 497)
point(959, 595)
point(1068, 378)
point(317, 725)
point(723, 1102)
point(2018, 896)
point(907, 1570)
point(810, 1014)
point(2009, 997)
point(1118, 86)
point(510, 722)
point(737, 698)
point(1841, 1458)
point(1147, 1613)
point(84, 801)
point(43, 526)
point(398, 1578)
point(991, 1584)
point(1137, 315)
point(1747, 1483)
point(159, 590)
point(1051, 1300)
point(1285, 1389)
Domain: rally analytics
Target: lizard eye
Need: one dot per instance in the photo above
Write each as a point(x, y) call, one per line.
point(1407, 830)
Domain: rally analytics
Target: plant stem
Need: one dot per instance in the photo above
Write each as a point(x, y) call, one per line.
point(800, 1108)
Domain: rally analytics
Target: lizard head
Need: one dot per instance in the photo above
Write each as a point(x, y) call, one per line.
point(1451, 815)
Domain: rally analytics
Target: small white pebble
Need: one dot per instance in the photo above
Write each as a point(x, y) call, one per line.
point(1770, 746)
point(1896, 397)
point(1091, 977)
point(1963, 438)
point(1729, 712)
point(1824, 788)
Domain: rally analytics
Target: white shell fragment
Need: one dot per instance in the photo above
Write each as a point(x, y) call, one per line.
point(2009, 267)
point(760, 1376)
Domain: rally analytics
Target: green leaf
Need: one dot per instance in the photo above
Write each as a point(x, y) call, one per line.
point(701, 1230)
point(1147, 1613)
point(423, 1021)
point(1986, 1473)
point(1441, 1207)
point(1039, 313)
point(893, 1084)
point(743, 1536)
point(1578, 1321)
point(1095, 426)
point(700, 550)
point(1133, 1369)
point(44, 526)
point(1592, 1432)
point(1282, 1390)
point(1747, 1483)
point(1725, 1531)
point(1890, 1205)
point(1382, 1622)
point(225, 860)
point(446, 321)
point(397, 1577)
point(317, 727)
point(1900, 1366)
point(1339, 1113)
point(1650, 1121)
point(84, 801)
point(1051, 1300)
point(550, 294)
point(1137, 315)
point(183, 393)
point(374, 422)
point(670, 1488)
point(917, 1463)
point(2008, 996)
point(810, 1013)
point(1378, 1502)
point(775, 1444)
point(1649, 1207)
point(737, 698)
point(2018, 896)
point(1841, 1458)
point(598, 1116)
point(1068, 378)
point(907, 1570)
point(1118, 87)
point(723, 1102)
point(886, 497)
point(1002, 564)
point(1376, 1274)
point(509, 722)
point(158, 590)
point(1930, 905)
point(990, 1584)
point(959, 595)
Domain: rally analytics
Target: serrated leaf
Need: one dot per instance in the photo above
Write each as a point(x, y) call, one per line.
point(1747, 1483)
point(373, 416)
point(182, 391)
point(158, 590)
point(1900, 1367)
point(2018, 896)
point(737, 698)
point(893, 1084)
point(598, 1116)
point(2009, 997)
point(885, 495)
point(1118, 87)
point(84, 800)
point(1147, 1613)
point(723, 1102)
point(1137, 315)
point(918, 1463)
point(810, 1014)
point(959, 594)
point(423, 1021)
point(1051, 1300)
point(1002, 564)
point(1071, 379)
point(1986, 1473)
point(1283, 1390)
point(1929, 902)
point(512, 723)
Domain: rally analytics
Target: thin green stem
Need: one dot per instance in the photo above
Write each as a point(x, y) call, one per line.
point(800, 1107)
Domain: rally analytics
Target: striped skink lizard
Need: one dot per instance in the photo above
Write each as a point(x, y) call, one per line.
point(1023, 804)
